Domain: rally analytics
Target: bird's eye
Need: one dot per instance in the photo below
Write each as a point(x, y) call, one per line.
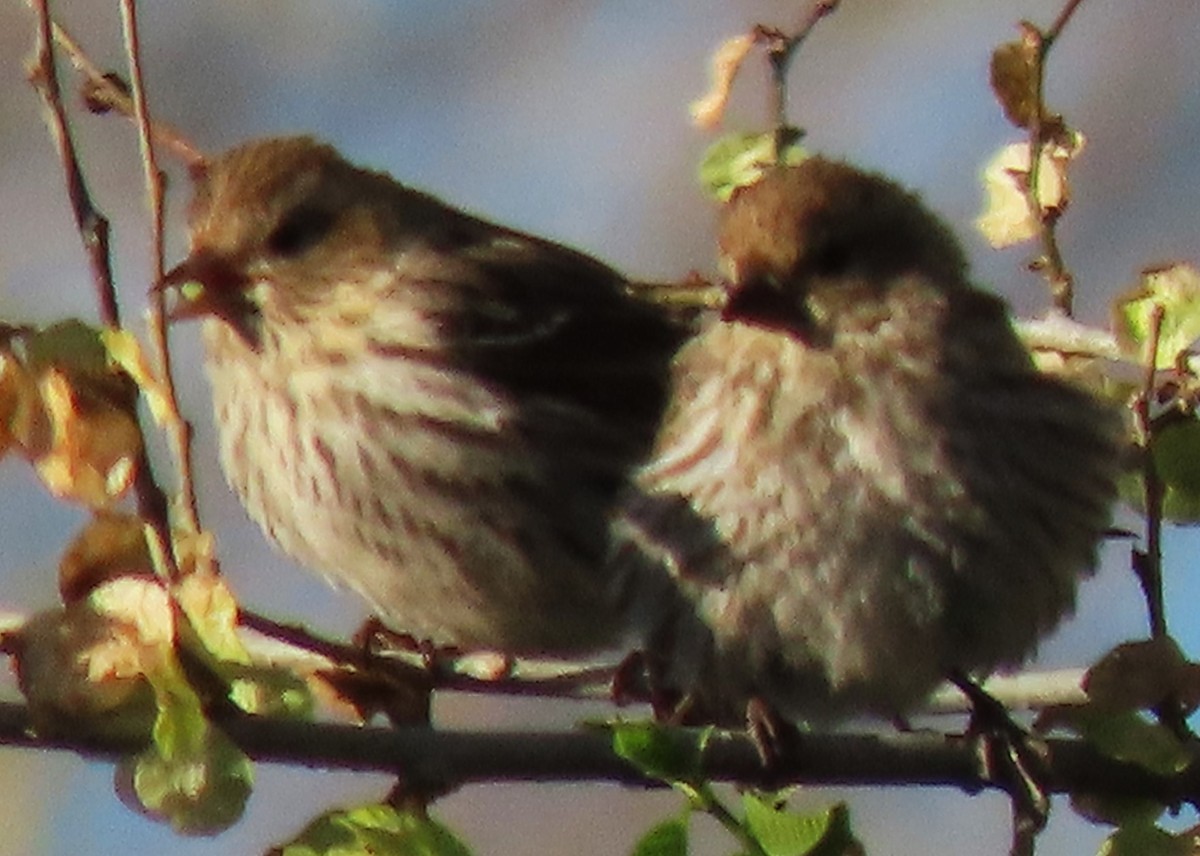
point(832, 259)
point(300, 229)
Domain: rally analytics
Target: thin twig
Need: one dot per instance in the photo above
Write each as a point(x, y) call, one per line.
point(1060, 22)
point(1051, 263)
point(179, 429)
point(1024, 833)
point(91, 224)
point(781, 49)
point(573, 682)
point(1020, 691)
point(93, 231)
point(104, 91)
point(1147, 564)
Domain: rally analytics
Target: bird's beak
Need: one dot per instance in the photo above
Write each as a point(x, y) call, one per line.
point(751, 293)
point(205, 284)
point(766, 301)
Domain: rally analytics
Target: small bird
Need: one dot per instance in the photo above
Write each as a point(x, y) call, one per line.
point(862, 484)
point(434, 410)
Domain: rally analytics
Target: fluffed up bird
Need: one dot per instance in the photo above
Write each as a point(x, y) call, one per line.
point(863, 484)
point(434, 410)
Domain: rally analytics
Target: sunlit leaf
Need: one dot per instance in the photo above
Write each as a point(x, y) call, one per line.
point(1116, 810)
point(93, 446)
point(781, 832)
point(659, 751)
point(737, 160)
point(1007, 218)
point(1176, 290)
point(379, 830)
point(70, 346)
point(669, 838)
point(192, 776)
point(1125, 736)
point(269, 691)
point(80, 672)
point(212, 612)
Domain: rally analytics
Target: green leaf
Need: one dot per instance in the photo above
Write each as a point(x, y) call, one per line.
point(658, 751)
point(669, 838)
point(192, 776)
point(1173, 290)
point(1176, 453)
point(271, 691)
point(1112, 810)
point(68, 343)
point(378, 830)
point(785, 833)
point(1176, 289)
point(201, 792)
point(736, 160)
point(1139, 674)
point(1125, 736)
point(1146, 840)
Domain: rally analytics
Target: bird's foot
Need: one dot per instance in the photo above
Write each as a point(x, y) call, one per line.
point(637, 678)
point(1009, 756)
point(774, 737)
point(375, 637)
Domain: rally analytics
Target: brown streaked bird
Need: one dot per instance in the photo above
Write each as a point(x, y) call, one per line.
point(863, 485)
point(434, 410)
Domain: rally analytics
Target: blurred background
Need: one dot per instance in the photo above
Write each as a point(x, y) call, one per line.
point(568, 118)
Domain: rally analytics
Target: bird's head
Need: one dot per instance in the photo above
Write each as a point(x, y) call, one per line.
point(275, 224)
point(810, 245)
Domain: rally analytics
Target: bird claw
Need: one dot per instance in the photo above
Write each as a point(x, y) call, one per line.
point(631, 681)
point(1009, 757)
point(638, 678)
point(374, 636)
point(774, 737)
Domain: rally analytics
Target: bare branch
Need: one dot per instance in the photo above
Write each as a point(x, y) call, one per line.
point(781, 50)
point(179, 429)
point(106, 91)
point(91, 224)
point(1043, 127)
point(436, 759)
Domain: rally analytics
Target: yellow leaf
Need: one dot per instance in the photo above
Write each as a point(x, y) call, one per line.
point(93, 449)
point(1007, 218)
point(27, 420)
point(213, 613)
point(141, 603)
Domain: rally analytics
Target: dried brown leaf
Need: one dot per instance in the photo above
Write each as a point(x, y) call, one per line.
point(111, 545)
point(1014, 79)
point(1141, 675)
point(708, 110)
